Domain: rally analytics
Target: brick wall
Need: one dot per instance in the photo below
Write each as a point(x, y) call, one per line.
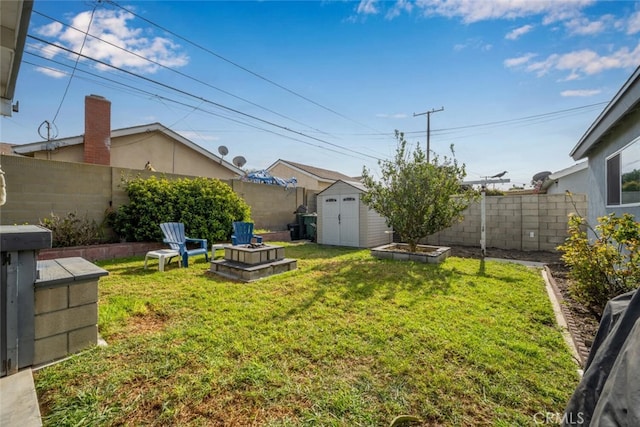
point(97, 130)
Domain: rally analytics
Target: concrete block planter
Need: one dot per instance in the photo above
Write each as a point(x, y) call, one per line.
point(400, 251)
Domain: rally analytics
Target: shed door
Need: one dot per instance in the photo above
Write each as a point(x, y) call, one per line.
point(340, 225)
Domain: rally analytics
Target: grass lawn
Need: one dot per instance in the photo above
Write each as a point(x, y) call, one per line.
point(345, 340)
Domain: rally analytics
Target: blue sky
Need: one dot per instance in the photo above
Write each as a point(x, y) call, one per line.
point(327, 83)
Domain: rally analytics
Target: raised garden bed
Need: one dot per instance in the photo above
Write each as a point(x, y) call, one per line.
point(400, 251)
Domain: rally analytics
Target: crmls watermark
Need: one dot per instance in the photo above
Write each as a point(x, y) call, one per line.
point(555, 418)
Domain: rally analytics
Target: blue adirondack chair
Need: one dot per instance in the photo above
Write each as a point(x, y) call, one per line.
point(243, 233)
point(175, 237)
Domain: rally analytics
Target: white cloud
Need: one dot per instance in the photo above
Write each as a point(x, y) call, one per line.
point(115, 28)
point(367, 7)
point(474, 10)
point(520, 60)
point(473, 43)
point(49, 30)
point(633, 24)
point(515, 34)
point(584, 27)
point(51, 73)
point(399, 7)
point(586, 62)
point(580, 92)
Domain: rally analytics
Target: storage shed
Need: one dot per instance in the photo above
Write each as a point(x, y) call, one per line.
point(344, 220)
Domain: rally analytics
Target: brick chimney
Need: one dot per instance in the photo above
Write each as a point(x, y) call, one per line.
point(97, 130)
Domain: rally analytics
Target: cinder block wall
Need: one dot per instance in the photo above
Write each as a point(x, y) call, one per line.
point(66, 319)
point(527, 222)
point(37, 187)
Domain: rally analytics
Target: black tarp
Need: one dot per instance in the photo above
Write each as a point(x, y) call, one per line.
point(609, 392)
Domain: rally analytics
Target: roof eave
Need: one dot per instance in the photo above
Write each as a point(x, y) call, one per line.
point(624, 101)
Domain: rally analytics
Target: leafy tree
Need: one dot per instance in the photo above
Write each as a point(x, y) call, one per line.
point(417, 197)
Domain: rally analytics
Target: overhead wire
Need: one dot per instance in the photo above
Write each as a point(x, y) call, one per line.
point(243, 68)
point(184, 74)
point(208, 101)
point(84, 40)
point(163, 98)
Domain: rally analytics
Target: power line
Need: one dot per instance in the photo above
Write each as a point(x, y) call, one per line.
point(183, 74)
point(183, 92)
point(235, 64)
point(84, 40)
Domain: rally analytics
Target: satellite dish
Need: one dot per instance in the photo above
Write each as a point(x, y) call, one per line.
point(223, 150)
point(239, 161)
point(541, 176)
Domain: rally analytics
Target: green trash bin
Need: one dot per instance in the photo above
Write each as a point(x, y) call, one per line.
point(310, 224)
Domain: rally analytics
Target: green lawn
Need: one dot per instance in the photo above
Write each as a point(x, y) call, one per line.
point(345, 340)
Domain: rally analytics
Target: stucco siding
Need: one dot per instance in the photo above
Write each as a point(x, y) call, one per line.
point(304, 180)
point(575, 183)
point(73, 153)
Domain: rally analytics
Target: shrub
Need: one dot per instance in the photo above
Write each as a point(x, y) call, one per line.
point(206, 206)
point(73, 230)
point(606, 266)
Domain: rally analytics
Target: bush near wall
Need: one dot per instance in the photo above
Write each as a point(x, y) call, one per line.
point(206, 206)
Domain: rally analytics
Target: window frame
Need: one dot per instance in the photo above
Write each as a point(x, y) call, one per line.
point(617, 201)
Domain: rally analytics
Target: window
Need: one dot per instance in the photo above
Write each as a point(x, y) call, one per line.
point(623, 176)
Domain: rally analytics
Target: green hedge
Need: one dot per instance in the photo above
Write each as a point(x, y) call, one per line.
point(206, 206)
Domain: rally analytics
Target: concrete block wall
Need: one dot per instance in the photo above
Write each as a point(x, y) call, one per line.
point(66, 319)
point(523, 222)
point(36, 188)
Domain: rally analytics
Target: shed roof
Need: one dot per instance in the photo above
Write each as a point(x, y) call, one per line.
point(624, 102)
point(355, 184)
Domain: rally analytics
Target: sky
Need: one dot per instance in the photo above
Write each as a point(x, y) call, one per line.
point(512, 85)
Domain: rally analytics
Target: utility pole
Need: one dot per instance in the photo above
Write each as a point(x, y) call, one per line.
point(428, 114)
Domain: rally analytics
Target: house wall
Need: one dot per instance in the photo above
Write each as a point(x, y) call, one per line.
point(133, 152)
point(36, 188)
point(304, 180)
point(528, 222)
point(73, 153)
point(575, 183)
point(619, 136)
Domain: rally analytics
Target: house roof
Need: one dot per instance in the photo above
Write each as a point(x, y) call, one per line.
point(14, 16)
point(562, 173)
point(624, 102)
point(153, 127)
point(318, 173)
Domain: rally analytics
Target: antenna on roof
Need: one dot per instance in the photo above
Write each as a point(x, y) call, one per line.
point(239, 161)
point(223, 152)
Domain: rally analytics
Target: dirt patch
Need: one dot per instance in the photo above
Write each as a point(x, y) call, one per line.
point(582, 324)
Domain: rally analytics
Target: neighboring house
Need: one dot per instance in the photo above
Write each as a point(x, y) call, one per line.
point(572, 179)
point(309, 177)
point(6, 149)
point(612, 147)
point(163, 149)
